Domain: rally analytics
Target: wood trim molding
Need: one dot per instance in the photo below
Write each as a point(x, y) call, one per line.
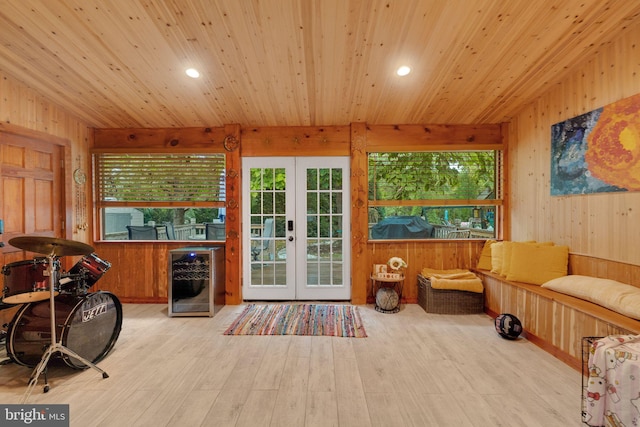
point(360, 260)
point(30, 133)
point(555, 351)
point(439, 137)
point(207, 139)
point(296, 141)
point(233, 220)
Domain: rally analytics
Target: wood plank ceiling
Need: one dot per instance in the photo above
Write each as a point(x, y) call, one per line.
point(120, 63)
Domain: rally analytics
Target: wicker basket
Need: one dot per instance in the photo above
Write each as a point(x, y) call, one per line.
point(445, 301)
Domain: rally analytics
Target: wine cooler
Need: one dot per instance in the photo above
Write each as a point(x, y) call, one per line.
point(196, 281)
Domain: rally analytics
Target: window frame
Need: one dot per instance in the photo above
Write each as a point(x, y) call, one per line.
point(101, 204)
point(498, 203)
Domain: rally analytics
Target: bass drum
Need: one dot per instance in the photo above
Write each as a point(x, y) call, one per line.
point(88, 325)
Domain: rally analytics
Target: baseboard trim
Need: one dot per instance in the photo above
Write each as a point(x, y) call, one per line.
point(546, 346)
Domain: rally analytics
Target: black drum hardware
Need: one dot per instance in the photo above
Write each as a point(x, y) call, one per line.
point(59, 315)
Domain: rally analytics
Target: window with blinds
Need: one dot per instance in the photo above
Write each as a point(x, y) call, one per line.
point(153, 196)
point(179, 179)
point(434, 194)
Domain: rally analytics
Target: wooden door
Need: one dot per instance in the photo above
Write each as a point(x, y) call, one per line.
point(32, 196)
point(31, 190)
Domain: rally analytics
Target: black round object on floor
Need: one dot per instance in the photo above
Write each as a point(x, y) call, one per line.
point(508, 326)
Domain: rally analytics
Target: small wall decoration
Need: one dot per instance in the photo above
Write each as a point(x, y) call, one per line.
point(80, 178)
point(598, 151)
point(230, 143)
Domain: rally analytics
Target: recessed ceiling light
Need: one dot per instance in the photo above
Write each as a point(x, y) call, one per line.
point(192, 72)
point(403, 71)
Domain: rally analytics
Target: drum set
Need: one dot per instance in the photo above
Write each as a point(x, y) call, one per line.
point(59, 316)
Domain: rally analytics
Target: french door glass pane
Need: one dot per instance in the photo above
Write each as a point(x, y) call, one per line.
point(268, 225)
point(324, 216)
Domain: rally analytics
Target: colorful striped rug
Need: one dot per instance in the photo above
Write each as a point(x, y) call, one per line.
point(299, 319)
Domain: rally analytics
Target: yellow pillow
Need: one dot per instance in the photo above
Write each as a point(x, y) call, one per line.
point(537, 263)
point(616, 296)
point(506, 258)
point(497, 250)
point(484, 262)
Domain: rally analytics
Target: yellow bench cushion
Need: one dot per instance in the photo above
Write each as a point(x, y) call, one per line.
point(614, 295)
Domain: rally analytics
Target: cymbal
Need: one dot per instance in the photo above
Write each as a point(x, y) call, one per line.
point(51, 245)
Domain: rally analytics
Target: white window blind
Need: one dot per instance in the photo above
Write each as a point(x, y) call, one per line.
point(177, 179)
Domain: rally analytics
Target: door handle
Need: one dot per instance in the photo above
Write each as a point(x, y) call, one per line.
point(290, 228)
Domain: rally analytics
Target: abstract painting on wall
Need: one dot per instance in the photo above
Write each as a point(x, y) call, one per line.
point(598, 151)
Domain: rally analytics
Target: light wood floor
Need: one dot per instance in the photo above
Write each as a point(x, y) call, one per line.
point(414, 369)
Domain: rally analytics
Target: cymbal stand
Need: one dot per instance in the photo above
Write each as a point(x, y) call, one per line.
point(55, 346)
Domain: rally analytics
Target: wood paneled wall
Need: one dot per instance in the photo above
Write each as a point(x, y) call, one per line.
point(598, 225)
point(23, 112)
point(22, 107)
point(604, 268)
point(139, 271)
point(441, 254)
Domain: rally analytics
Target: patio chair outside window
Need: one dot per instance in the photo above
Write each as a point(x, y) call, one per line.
point(215, 231)
point(142, 232)
point(171, 231)
point(265, 247)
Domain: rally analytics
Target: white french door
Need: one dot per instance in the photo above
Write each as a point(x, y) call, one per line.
point(296, 228)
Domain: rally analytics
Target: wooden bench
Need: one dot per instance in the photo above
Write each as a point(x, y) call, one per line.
point(553, 321)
